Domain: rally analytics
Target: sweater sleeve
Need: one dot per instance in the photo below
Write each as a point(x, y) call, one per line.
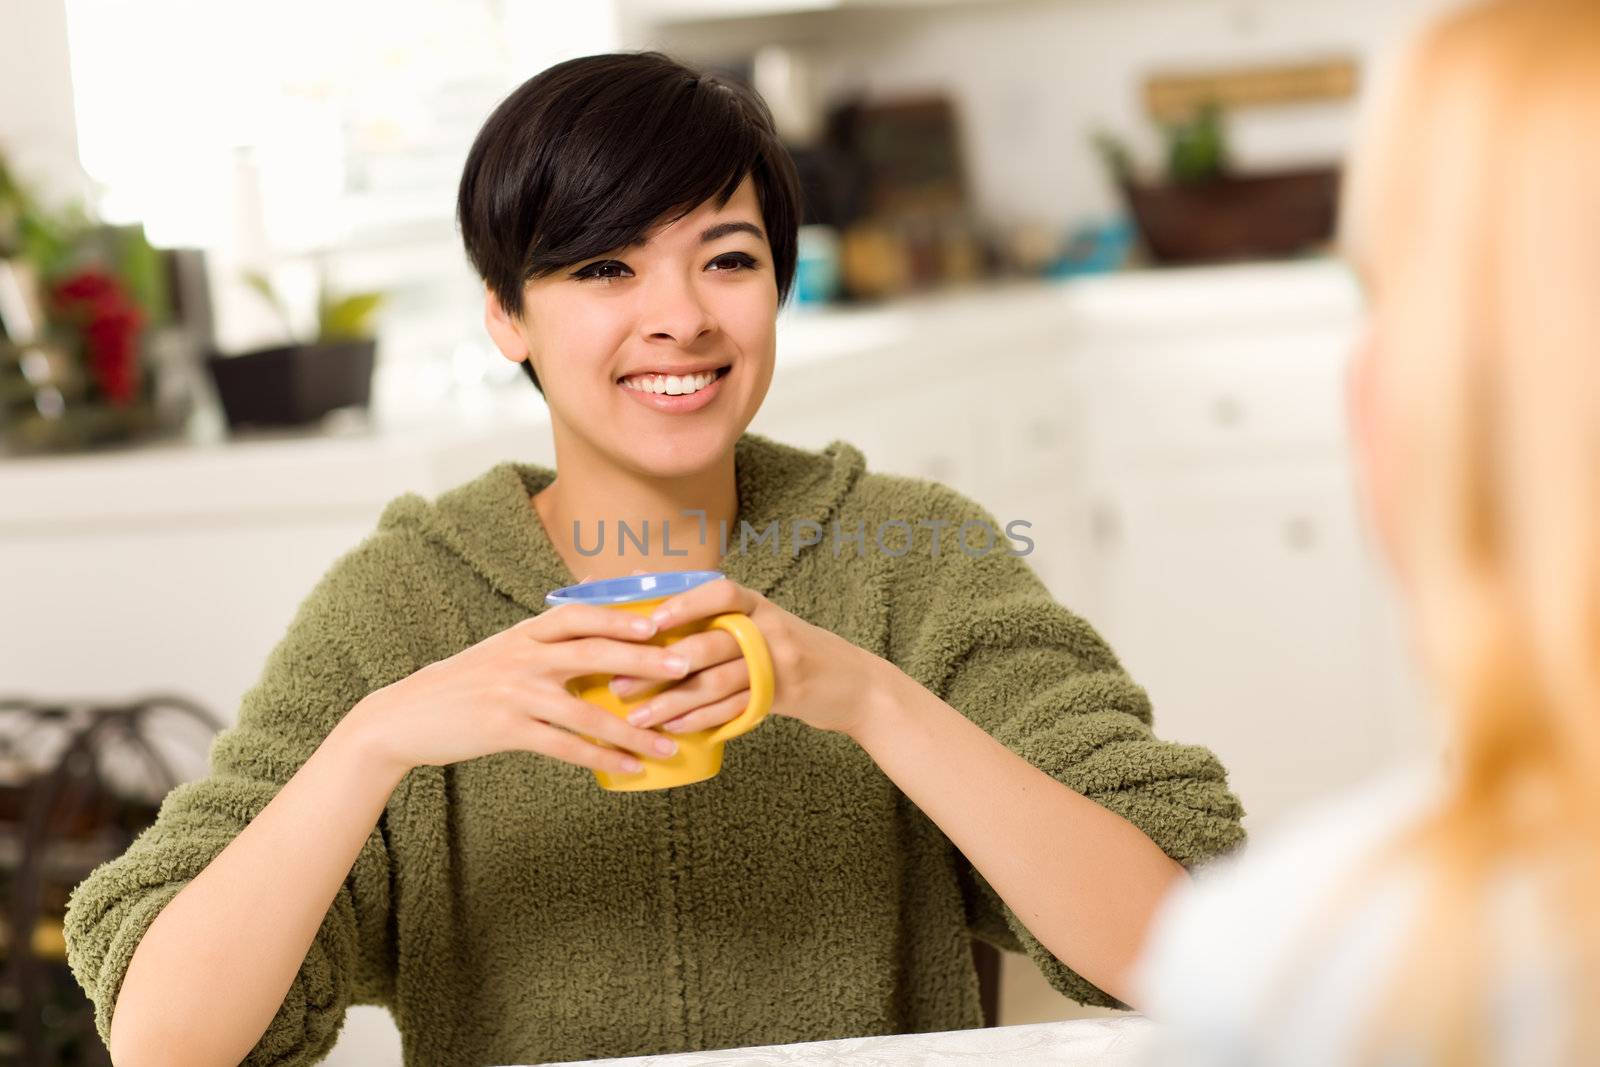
point(985, 635)
point(309, 681)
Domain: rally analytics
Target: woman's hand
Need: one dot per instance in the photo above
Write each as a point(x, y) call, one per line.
point(508, 692)
point(819, 677)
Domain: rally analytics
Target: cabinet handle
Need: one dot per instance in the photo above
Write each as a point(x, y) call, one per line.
point(1227, 411)
point(1300, 533)
point(1105, 527)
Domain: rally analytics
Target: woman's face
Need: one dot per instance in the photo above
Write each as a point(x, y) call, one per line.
point(699, 297)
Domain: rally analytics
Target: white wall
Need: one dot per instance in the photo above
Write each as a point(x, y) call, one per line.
point(37, 131)
point(1032, 77)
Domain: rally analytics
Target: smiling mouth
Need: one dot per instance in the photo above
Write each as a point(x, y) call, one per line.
point(673, 385)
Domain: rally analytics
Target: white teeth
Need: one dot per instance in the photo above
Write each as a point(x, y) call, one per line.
point(670, 384)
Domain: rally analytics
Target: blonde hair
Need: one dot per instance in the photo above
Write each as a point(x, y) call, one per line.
point(1473, 217)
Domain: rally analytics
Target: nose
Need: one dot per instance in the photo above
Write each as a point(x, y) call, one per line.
point(675, 311)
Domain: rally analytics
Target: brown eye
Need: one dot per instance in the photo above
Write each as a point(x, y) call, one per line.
point(733, 261)
point(599, 270)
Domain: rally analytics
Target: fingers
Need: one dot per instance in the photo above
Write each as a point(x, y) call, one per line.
point(603, 655)
point(702, 650)
point(558, 744)
point(708, 598)
point(582, 727)
point(579, 716)
point(586, 620)
point(703, 689)
point(708, 648)
point(711, 715)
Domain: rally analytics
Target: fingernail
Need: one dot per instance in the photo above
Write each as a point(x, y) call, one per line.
point(659, 616)
point(666, 746)
point(620, 685)
point(638, 715)
point(676, 664)
point(632, 765)
point(674, 727)
point(643, 626)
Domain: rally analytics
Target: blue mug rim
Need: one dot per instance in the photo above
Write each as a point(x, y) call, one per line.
point(630, 587)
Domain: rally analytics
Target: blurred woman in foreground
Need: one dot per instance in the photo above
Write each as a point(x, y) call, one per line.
point(1452, 916)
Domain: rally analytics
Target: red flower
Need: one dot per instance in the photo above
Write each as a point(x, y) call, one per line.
point(110, 324)
point(89, 284)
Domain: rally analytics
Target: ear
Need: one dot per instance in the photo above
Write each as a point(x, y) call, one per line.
point(503, 329)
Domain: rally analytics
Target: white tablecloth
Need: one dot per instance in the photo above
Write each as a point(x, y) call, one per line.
point(1112, 1042)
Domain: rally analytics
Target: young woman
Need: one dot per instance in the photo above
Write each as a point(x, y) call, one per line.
point(1448, 916)
point(405, 814)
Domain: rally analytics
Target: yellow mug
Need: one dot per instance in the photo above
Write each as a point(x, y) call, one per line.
point(699, 754)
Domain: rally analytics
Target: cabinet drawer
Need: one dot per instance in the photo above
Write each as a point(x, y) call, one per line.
point(1028, 418)
point(1208, 400)
point(929, 430)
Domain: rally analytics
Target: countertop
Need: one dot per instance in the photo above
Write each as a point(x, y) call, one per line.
point(420, 437)
point(1121, 1041)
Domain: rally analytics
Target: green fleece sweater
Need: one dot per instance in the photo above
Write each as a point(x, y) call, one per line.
point(508, 910)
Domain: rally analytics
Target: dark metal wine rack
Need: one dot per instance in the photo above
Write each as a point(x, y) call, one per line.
point(78, 782)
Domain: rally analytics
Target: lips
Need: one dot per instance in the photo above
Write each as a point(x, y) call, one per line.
point(680, 372)
point(677, 404)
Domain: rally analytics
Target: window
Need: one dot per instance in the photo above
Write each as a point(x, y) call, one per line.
point(276, 134)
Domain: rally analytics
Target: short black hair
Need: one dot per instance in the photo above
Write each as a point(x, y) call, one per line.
point(590, 154)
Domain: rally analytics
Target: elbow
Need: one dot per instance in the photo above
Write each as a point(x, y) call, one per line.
point(129, 1047)
point(149, 1054)
point(138, 1042)
point(1179, 877)
point(126, 1049)
point(1124, 981)
point(1120, 988)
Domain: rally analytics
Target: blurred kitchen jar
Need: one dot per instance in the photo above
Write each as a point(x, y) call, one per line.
point(816, 270)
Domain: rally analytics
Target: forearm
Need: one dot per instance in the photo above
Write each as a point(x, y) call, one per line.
point(1084, 880)
point(215, 965)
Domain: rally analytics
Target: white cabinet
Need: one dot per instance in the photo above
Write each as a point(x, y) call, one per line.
point(1177, 443)
point(1224, 556)
point(1238, 598)
point(1034, 459)
point(1213, 395)
point(1174, 440)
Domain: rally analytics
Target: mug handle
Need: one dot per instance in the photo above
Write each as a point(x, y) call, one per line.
point(759, 662)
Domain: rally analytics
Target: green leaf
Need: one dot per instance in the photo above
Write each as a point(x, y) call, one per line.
point(140, 267)
point(1197, 149)
point(45, 239)
point(348, 317)
point(263, 285)
point(1114, 155)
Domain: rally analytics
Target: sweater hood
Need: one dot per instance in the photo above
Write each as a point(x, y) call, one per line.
point(490, 522)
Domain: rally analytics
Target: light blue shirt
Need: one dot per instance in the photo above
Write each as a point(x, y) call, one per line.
point(1253, 964)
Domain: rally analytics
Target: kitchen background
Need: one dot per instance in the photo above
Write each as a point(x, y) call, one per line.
point(1081, 243)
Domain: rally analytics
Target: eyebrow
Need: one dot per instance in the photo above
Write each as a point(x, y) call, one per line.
point(717, 232)
point(723, 229)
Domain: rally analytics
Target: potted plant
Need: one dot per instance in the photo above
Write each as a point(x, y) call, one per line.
point(300, 382)
point(1204, 210)
point(79, 301)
